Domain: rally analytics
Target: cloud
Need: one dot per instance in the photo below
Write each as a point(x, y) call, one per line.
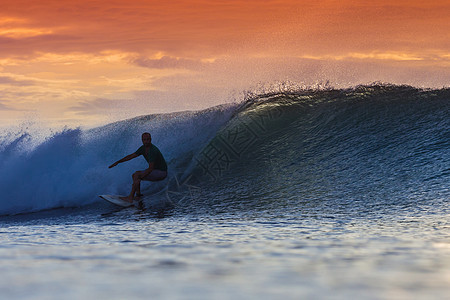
point(11, 81)
point(140, 103)
point(5, 107)
point(93, 107)
point(200, 28)
point(28, 47)
point(167, 62)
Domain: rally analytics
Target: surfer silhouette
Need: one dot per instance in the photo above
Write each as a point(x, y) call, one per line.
point(157, 167)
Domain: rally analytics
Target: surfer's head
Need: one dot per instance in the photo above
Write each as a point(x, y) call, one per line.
point(146, 139)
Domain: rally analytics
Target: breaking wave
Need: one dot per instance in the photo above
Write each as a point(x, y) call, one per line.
point(378, 143)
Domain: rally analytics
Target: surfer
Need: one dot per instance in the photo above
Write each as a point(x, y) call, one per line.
point(157, 167)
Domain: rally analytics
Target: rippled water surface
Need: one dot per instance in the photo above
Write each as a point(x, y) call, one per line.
point(131, 253)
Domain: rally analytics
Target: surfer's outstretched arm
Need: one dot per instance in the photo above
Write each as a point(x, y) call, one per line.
point(126, 158)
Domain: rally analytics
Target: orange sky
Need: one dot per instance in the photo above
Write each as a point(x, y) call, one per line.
point(88, 62)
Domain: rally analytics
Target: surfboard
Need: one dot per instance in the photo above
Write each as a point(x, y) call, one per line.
point(116, 200)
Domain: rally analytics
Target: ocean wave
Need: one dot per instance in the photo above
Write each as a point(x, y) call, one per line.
point(375, 143)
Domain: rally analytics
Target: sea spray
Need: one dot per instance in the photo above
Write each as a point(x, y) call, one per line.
point(70, 168)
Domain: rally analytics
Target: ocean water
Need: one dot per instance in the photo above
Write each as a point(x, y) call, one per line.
point(299, 194)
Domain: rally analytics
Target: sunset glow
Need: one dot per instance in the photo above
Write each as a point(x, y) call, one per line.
point(90, 62)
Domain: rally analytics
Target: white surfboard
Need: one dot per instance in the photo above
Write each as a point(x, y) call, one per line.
point(116, 200)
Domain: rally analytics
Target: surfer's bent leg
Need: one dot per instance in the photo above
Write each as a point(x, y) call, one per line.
point(137, 183)
point(136, 187)
point(156, 175)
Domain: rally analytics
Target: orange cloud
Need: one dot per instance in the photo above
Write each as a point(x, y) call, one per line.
point(14, 28)
point(198, 29)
